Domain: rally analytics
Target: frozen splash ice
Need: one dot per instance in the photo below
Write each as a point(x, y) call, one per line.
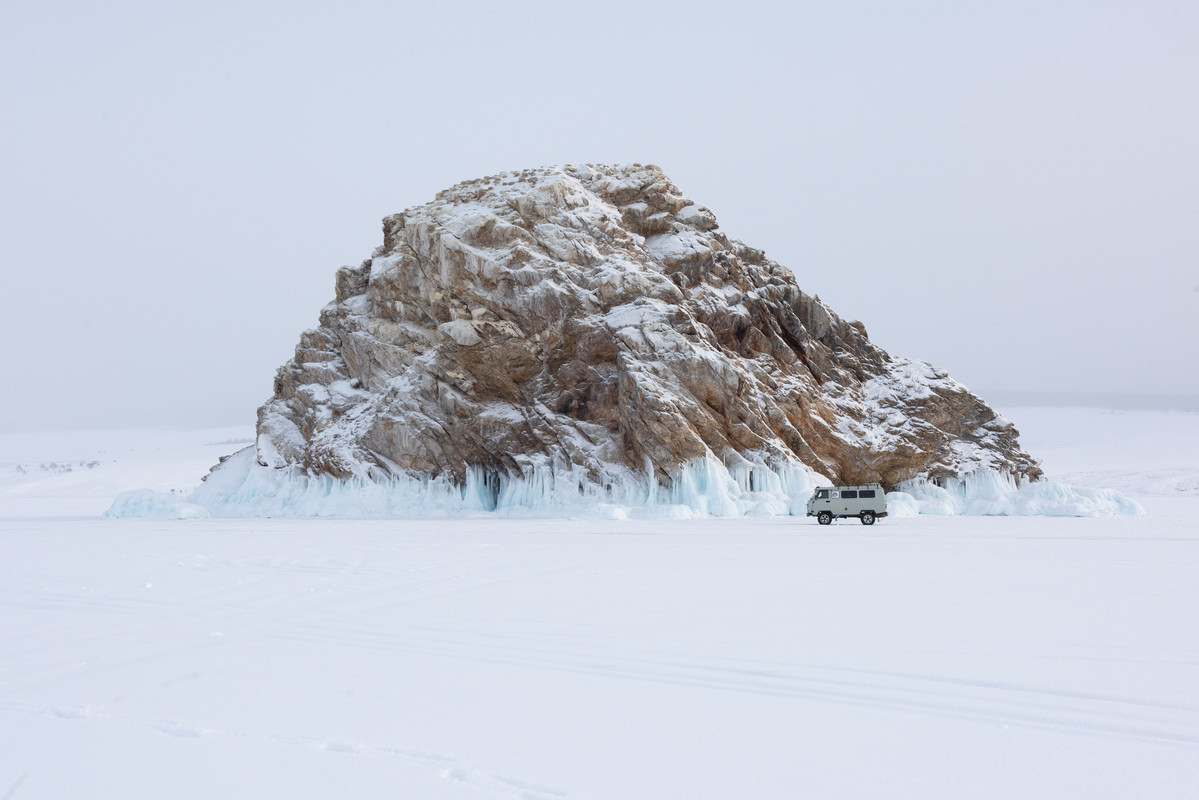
point(241, 487)
point(990, 493)
point(149, 504)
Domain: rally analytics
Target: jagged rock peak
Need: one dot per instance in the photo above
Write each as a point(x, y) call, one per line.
point(593, 318)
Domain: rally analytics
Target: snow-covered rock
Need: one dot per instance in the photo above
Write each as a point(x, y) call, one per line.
point(593, 325)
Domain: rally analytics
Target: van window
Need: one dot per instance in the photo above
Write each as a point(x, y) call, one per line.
point(849, 494)
point(866, 493)
point(822, 494)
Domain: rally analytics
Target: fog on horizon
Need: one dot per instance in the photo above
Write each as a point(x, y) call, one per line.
point(1007, 191)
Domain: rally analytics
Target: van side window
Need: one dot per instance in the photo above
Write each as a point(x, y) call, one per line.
point(822, 494)
point(849, 494)
point(866, 493)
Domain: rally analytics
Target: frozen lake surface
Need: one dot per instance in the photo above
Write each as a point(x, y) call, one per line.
point(484, 657)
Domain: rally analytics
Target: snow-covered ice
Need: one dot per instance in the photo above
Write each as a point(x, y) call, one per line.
point(483, 656)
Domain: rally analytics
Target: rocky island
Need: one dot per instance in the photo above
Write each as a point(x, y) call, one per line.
point(592, 326)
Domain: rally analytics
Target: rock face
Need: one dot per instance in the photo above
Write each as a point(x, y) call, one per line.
point(595, 318)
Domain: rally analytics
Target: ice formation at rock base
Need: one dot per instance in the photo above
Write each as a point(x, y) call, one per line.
point(700, 488)
point(149, 504)
point(244, 488)
point(990, 493)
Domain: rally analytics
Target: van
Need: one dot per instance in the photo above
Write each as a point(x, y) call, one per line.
point(866, 502)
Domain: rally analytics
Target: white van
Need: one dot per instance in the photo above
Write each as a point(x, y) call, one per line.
point(866, 502)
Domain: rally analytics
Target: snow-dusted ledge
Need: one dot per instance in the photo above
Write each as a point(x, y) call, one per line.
point(241, 487)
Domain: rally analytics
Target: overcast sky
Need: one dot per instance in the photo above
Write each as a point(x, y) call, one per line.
point(1008, 190)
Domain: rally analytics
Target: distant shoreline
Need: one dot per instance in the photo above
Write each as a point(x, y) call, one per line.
point(1117, 401)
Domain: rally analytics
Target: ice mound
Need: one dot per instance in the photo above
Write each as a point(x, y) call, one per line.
point(902, 504)
point(989, 493)
point(146, 503)
point(244, 488)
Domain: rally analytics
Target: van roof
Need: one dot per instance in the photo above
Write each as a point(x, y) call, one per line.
point(853, 486)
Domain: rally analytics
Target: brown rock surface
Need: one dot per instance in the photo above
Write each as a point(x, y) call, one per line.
point(595, 317)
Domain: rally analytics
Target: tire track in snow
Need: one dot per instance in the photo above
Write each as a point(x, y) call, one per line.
point(1001, 703)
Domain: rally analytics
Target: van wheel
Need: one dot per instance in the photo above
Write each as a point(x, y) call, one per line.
point(867, 517)
point(824, 518)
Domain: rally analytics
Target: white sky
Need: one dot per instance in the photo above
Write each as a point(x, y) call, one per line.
point(1008, 190)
